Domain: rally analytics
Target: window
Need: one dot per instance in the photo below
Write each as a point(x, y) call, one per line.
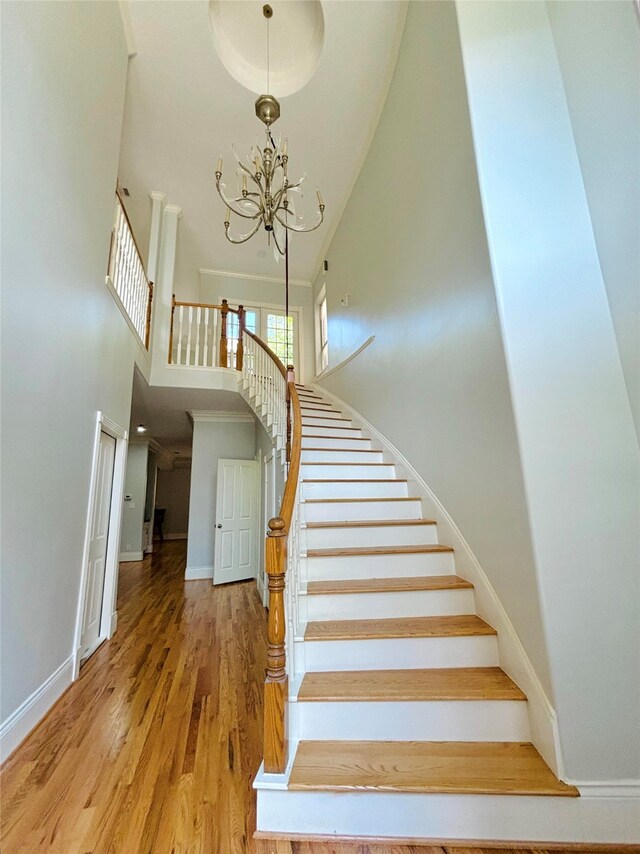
point(270, 325)
point(280, 336)
point(322, 331)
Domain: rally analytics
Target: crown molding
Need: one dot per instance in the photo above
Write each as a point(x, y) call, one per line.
point(173, 209)
point(157, 196)
point(301, 283)
point(218, 415)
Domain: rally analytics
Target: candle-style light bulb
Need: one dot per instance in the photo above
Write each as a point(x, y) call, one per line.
point(244, 185)
point(228, 217)
point(284, 148)
point(320, 202)
point(219, 166)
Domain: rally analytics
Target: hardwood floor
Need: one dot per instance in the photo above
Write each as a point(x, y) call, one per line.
point(153, 750)
point(155, 747)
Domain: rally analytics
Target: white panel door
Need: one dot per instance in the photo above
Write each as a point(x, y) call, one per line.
point(235, 551)
point(98, 546)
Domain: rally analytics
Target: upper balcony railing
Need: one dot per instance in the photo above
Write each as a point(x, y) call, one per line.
point(127, 274)
point(203, 335)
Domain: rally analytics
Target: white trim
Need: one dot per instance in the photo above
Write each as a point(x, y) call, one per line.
point(173, 209)
point(221, 415)
point(512, 655)
point(383, 93)
point(20, 723)
point(114, 623)
point(109, 595)
point(157, 196)
point(127, 26)
point(301, 283)
point(127, 557)
point(197, 573)
point(608, 788)
point(341, 364)
point(175, 536)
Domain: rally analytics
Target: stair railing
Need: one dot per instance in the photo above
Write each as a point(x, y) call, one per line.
point(127, 275)
point(271, 391)
point(203, 336)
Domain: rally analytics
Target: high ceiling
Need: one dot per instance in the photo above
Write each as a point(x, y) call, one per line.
point(183, 109)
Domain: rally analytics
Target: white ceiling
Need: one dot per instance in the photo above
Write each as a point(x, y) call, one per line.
point(183, 109)
point(163, 411)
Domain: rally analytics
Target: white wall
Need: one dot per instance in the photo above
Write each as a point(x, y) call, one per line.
point(212, 441)
point(598, 47)
point(411, 249)
point(66, 349)
point(236, 290)
point(135, 485)
point(172, 494)
point(575, 429)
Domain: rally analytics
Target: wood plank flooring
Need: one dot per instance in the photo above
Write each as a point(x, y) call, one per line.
point(155, 747)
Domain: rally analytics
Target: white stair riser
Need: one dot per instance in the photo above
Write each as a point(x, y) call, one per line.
point(401, 653)
point(354, 511)
point(380, 566)
point(315, 406)
point(439, 816)
point(335, 489)
point(309, 421)
point(339, 433)
point(462, 720)
point(340, 444)
point(369, 606)
point(400, 535)
point(365, 472)
point(340, 456)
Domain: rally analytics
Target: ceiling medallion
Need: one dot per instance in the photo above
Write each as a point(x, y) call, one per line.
point(264, 191)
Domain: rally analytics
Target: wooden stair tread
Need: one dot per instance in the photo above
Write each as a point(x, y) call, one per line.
point(455, 767)
point(343, 464)
point(388, 585)
point(372, 523)
point(330, 427)
point(446, 683)
point(397, 627)
point(349, 500)
point(319, 436)
point(378, 550)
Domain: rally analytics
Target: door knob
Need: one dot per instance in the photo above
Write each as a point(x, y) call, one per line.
point(218, 526)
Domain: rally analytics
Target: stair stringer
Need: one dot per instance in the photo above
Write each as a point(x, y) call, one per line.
point(512, 655)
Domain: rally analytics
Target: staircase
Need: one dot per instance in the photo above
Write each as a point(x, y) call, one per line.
point(402, 723)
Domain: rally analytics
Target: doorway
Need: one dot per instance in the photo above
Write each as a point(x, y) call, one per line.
point(97, 617)
point(235, 549)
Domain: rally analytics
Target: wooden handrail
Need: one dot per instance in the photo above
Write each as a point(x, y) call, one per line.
point(276, 687)
point(200, 305)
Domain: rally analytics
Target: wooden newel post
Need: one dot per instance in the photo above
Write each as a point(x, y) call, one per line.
point(291, 378)
point(223, 334)
point(173, 311)
point(147, 332)
point(241, 327)
point(276, 687)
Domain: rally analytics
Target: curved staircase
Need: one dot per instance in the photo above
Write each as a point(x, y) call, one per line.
point(402, 723)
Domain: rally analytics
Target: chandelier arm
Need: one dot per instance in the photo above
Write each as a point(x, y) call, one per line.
point(241, 239)
point(275, 240)
point(250, 174)
point(300, 229)
point(229, 204)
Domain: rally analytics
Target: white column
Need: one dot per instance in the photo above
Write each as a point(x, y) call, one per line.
point(157, 205)
point(163, 290)
point(575, 429)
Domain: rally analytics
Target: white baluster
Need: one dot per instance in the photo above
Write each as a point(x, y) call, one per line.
point(198, 322)
point(180, 323)
point(189, 326)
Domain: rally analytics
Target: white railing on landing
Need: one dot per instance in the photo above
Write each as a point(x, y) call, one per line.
point(127, 276)
point(264, 380)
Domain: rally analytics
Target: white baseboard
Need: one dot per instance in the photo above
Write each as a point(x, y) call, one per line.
point(175, 536)
point(196, 573)
point(513, 657)
point(125, 557)
point(114, 623)
point(19, 724)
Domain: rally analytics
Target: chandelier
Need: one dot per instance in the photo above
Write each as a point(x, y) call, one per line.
point(264, 193)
